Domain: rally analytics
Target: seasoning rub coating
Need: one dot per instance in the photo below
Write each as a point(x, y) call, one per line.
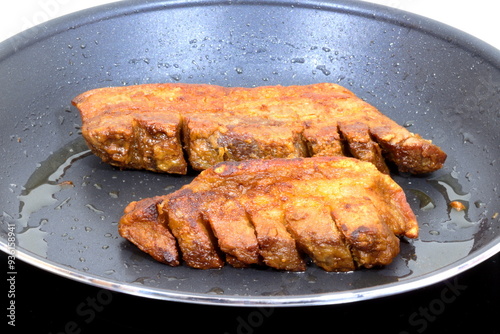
point(166, 127)
point(340, 212)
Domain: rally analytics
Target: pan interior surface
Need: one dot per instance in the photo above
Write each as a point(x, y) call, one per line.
point(65, 203)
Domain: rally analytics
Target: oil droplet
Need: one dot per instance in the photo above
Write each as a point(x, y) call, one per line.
point(176, 77)
point(479, 204)
point(93, 208)
point(215, 291)
point(408, 124)
point(169, 188)
point(468, 138)
point(114, 194)
point(140, 280)
point(426, 202)
point(311, 279)
point(58, 207)
point(323, 69)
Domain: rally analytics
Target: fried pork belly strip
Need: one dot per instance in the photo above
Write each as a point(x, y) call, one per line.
point(341, 212)
point(156, 126)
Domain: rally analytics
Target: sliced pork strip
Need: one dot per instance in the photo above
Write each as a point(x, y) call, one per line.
point(310, 223)
point(277, 247)
point(408, 151)
point(201, 135)
point(323, 140)
point(371, 241)
point(361, 145)
point(142, 225)
point(193, 233)
point(158, 143)
point(262, 140)
point(234, 232)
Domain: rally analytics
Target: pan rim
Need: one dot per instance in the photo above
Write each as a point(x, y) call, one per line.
point(333, 298)
point(359, 8)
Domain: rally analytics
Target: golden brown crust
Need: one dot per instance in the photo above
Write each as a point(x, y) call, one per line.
point(233, 230)
point(277, 246)
point(310, 223)
point(142, 225)
point(341, 212)
point(193, 233)
point(149, 126)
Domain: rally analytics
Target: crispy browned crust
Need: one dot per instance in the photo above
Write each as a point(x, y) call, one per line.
point(341, 212)
point(155, 126)
point(143, 226)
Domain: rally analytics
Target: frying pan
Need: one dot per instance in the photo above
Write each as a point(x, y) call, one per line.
point(60, 204)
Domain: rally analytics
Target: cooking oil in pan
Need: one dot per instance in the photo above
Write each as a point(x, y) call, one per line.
point(457, 199)
point(446, 227)
point(39, 192)
point(426, 202)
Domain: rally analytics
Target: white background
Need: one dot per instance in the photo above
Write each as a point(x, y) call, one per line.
point(479, 18)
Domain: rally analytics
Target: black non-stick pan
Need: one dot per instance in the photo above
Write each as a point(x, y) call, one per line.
point(60, 204)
